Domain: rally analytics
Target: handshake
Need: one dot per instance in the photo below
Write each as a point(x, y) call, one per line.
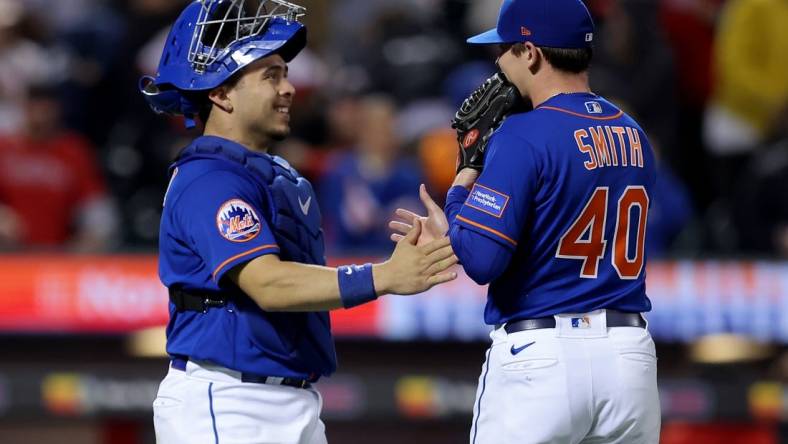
point(423, 253)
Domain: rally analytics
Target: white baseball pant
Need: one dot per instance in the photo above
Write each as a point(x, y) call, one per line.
point(585, 383)
point(208, 404)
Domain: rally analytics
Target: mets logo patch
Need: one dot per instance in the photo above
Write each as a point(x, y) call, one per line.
point(237, 221)
point(487, 200)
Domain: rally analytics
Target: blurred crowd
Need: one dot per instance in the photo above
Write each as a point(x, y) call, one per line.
point(83, 162)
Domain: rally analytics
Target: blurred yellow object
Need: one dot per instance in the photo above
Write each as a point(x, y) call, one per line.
point(751, 79)
point(766, 400)
point(416, 396)
point(148, 343)
point(62, 393)
point(728, 348)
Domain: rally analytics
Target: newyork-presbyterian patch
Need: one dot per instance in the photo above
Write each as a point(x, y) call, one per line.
point(237, 221)
point(487, 200)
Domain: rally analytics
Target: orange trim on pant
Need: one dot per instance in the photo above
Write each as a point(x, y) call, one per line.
point(237, 256)
point(493, 231)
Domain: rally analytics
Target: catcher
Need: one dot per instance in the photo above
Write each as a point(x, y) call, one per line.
point(241, 247)
point(549, 207)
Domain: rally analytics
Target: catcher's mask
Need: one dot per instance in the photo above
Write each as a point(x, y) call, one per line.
point(214, 39)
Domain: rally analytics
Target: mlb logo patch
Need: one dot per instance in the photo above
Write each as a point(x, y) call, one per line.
point(584, 322)
point(237, 221)
point(594, 107)
point(487, 200)
point(589, 36)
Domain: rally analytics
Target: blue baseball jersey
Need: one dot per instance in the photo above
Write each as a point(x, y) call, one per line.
point(218, 214)
point(564, 196)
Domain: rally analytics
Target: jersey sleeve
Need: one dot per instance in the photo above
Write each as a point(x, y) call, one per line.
point(498, 203)
point(222, 216)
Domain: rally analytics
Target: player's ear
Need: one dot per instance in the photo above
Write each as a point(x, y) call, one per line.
point(533, 57)
point(220, 97)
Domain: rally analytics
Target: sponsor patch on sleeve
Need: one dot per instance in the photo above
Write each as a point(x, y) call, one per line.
point(487, 200)
point(237, 221)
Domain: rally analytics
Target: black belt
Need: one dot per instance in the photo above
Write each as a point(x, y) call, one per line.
point(615, 318)
point(180, 364)
point(193, 301)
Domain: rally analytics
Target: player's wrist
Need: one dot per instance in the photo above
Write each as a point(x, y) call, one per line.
point(356, 284)
point(466, 178)
point(380, 278)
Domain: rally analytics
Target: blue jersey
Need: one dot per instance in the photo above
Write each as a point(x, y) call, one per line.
point(226, 205)
point(566, 190)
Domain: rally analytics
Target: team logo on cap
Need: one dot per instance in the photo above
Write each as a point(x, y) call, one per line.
point(525, 31)
point(237, 221)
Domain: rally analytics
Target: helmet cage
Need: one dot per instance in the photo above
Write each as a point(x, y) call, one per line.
point(222, 23)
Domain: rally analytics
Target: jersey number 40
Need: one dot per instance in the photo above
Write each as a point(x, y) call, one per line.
point(585, 238)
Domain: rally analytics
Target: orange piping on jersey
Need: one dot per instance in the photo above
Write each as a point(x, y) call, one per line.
point(496, 232)
point(246, 253)
point(616, 116)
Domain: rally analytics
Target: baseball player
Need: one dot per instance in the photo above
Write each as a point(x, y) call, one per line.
point(241, 248)
point(555, 223)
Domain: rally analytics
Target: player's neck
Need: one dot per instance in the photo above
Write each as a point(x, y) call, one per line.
point(253, 143)
point(554, 83)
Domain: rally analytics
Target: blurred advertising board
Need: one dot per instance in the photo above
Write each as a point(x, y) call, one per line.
point(119, 294)
point(365, 394)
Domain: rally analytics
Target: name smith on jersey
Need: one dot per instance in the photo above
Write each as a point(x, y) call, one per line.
point(610, 146)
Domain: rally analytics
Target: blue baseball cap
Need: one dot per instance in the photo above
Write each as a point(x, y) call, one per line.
point(552, 23)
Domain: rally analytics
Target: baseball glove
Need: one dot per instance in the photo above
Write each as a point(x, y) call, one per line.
point(478, 117)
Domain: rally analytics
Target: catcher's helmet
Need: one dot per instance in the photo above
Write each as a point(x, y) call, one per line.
point(214, 39)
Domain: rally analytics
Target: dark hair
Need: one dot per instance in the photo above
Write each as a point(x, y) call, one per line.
point(574, 60)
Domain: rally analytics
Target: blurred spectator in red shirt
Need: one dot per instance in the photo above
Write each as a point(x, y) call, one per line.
point(52, 193)
point(689, 29)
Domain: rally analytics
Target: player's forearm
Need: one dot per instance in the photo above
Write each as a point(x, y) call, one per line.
point(295, 287)
point(454, 200)
point(482, 258)
point(290, 286)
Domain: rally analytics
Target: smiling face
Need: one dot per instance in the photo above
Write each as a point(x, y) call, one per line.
point(262, 98)
point(255, 110)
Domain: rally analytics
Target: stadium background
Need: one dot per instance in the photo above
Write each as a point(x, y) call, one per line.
point(83, 172)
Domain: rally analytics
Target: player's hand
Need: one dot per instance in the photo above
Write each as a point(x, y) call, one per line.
point(434, 225)
point(414, 269)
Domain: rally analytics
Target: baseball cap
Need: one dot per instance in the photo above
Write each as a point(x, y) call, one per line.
point(552, 23)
